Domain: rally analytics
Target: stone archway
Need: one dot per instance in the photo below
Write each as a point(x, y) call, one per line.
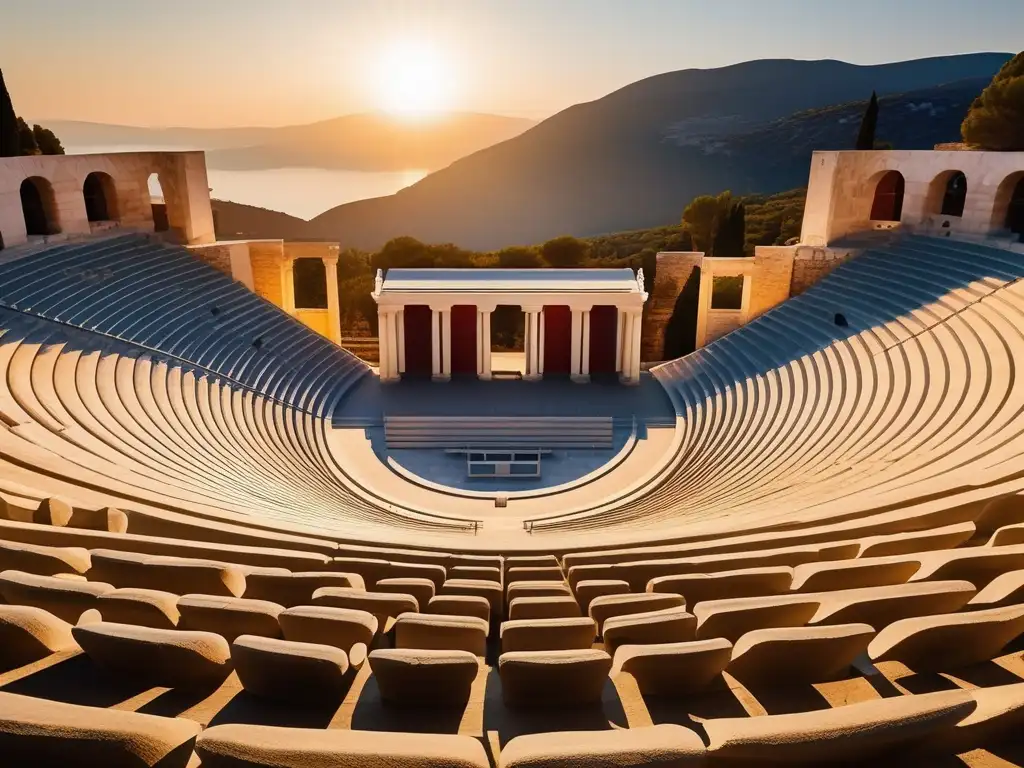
point(39, 207)
point(1015, 209)
point(954, 196)
point(887, 204)
point(158, 203)
point(100, 194)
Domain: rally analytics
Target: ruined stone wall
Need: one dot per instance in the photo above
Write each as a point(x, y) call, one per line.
point(812, 264)
point(217, 256)
point(771, 278)
point(265, 257)
point(673, 268)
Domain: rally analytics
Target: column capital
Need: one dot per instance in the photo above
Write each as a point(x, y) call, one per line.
point(331, 259)
point(486, 308)
point(531, 308)
point(440, 307)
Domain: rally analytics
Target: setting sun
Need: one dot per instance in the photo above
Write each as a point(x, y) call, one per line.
point(414, 78)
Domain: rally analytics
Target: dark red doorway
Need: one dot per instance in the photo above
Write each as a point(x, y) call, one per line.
point(557, 339)
point(464, 339)
point(418, 340)
point(604, 324)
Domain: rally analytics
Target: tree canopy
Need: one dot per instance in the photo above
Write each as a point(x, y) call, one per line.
point(995, 120)
point(565, 251)
point(17, 137)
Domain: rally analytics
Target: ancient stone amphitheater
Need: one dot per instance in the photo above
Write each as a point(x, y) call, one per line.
point(823, 562)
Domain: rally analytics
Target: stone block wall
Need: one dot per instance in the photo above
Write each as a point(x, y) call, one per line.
point(812, 264)
point(265, 257)
point(217, 256)
point(771, 279)
point(673, 268)
point(721, 322)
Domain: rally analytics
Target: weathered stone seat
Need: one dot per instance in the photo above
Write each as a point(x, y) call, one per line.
point(28, 634)
point(39, 732)
point(383, 605)
point(541, 679)
point(169, 657)
point(751, 582)
point(855, 731)
point(978, 565)
point(141, 607)
point(534, 573)
point(793, 656)
point(998, 718)
point(1007, 589)
point(589, 589)
point(557, 607)
point(477, 588)
point(291, 589)
point(229, 617)
point(66, 599)
point(291, 671)
point(434, 573)
point(657, 745)
point(733, 618)
point(424, 677)
point(528, 561)
point(479, 572)
point(851, 574)
point(673, 669)
point(947, 641)
point(667, 625)
point(421, 589)
point(262, 746)
point(428, 631)
point(42, 560)
point(560, 634)
point(609, 606)
point(326, 625)
point(946, 537)
point(536, 589)
point(179, 575)
point(881, 606)
point(460, 605)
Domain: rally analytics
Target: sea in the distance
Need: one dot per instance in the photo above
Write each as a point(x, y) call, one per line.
point(302, 192)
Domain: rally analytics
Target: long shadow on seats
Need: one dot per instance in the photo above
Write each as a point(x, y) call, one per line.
point(986, 675)
point(509, 723)
point(176, 701)
point(372, 714)
point(245, 708)
point(716, 701)
point(789, 699)
point(77, 680)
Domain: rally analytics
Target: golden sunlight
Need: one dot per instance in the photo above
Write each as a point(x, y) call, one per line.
point(414, 78)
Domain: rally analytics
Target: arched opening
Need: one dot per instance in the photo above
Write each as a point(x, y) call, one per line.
point(954, 197)
point(39, 207)
point(888, 202)
point(1, 241)
point(158, 203)
point(1015, 210)
point(100, 197)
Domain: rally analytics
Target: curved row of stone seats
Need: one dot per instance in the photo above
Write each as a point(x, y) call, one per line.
point(158, 428)
point(807, 438)
point(161, 297)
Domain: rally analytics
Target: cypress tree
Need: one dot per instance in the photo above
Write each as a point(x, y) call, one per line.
point(10, 142)
point(866, 136)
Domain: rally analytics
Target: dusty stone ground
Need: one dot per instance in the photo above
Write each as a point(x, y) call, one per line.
point(71, 677)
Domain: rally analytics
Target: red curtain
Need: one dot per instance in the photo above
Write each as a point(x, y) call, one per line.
point(557, 339)
point(464, 339)
point(604, 323)
point(418, 340)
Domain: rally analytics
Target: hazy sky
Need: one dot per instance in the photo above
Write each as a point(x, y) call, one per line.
point(274, 62)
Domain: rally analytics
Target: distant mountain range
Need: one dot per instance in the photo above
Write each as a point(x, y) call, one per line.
point(636, 157)
point(362, 142)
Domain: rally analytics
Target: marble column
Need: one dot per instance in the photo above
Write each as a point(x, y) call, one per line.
point(626, 357)
point(576, 345)
point(333, 300)
point(287, 285)
point(435, 343)
point(620, 318)
point(540, 349)
point(532, 343)
point(400, 322)
point(634, 348)
point(585, 351)
point(485, 343)
point(446, 344)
